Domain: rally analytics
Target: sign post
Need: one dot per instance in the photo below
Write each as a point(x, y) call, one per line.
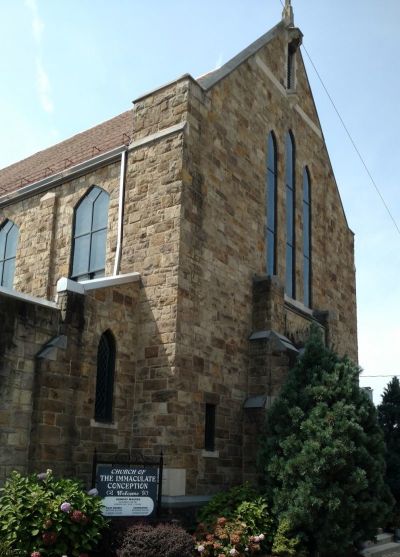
point(129, 489)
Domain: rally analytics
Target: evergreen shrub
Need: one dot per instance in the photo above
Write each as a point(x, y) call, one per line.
point(323, 455)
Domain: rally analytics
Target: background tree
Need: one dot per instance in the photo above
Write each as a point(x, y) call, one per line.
point(389, 420)
point(323, 455)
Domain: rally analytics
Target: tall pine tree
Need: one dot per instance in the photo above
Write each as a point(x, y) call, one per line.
point(323, 454)
point(389, 420)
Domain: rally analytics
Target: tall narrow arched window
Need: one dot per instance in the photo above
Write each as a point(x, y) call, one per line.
point(307, 237)
point(290, 179)
point(90, 234)
point(271, 204)
point(105, 378)
point(9, 233)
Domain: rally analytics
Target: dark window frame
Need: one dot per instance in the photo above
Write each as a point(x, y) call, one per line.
point(209, 427)
point(307, 240)
point(6, 258)
point(271, 199)
point(106, 354)
point(290, 186)
point(91, 272)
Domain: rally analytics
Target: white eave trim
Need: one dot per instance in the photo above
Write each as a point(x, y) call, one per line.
point(65, 284)
point(20, 296)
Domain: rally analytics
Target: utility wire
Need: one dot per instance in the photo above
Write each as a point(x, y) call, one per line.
point(351, 139)
point(369, 376)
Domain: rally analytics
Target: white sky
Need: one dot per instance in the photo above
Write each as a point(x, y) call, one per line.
point(67, 65)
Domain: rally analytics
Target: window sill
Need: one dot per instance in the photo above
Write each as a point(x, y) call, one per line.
point(298, 305)
point(105, 425)
point(209, 454)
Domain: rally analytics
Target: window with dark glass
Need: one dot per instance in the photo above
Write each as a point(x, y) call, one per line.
point(105, 378)
point(90, 234)
point(290, 283)
point(307, 237)
point(9, 233)
point(291, 65)
point(271, 204)
point(209, 428)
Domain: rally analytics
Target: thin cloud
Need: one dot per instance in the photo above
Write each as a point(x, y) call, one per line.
point(37, 22)
point(42, 79)
point(43, 86)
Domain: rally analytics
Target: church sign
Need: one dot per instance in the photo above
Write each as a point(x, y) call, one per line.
point(129, 489)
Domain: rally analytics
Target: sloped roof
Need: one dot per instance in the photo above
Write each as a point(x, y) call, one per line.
point(81, 147)
point(110, 134)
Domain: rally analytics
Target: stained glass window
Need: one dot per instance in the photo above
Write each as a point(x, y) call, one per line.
point(105, 378)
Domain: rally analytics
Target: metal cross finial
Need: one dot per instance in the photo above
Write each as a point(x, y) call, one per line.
point(287, 14)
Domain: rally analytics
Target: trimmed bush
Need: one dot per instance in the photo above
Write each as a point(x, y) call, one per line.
point(225, 503)
point(45, 517)
point(166, 540)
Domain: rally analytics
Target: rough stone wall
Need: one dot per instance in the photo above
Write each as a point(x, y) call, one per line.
point(24, 327)
point(223, 247)
point(151, 247)
point(45, 230)
point(64, 433)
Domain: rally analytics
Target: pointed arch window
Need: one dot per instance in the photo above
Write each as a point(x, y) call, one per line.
point(9, 233)
point(271, 204)
point(307, 236)
point(90, 234)
point(105, 378)
point(290, 275)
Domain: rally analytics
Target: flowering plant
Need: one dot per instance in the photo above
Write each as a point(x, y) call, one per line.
point(228, 538)
point(42, 516)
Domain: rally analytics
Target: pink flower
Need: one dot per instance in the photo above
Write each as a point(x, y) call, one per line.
point(233, 551)
point(36, 554)
point(77, 516)
point(256, 539)
point(65, 507)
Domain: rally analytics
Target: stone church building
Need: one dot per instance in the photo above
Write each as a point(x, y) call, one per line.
point(160, 272)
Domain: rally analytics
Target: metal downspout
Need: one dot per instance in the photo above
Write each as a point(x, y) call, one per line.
point(122, 176)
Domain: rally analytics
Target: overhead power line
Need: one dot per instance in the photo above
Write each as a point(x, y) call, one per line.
point(388, 375)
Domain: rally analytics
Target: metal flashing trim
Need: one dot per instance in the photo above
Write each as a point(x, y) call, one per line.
point(11, 293)
point(157, 135)
point(164, 86)
point(255, 402)
point(65, 284)
point(55, 179)
point(283, 343)
point(49, 350)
